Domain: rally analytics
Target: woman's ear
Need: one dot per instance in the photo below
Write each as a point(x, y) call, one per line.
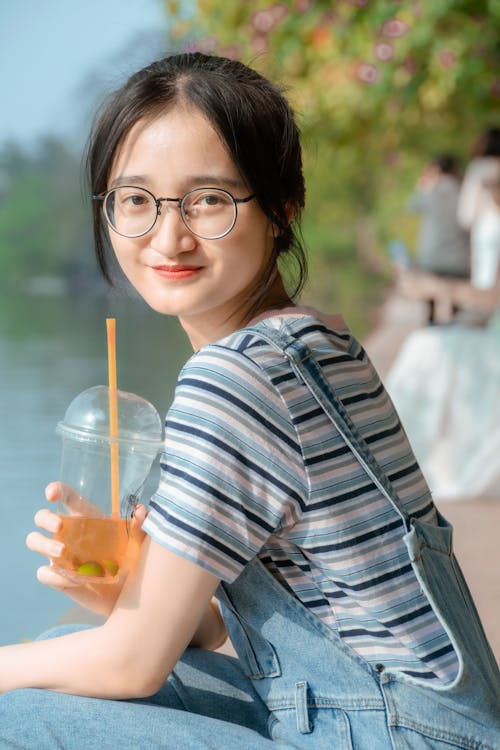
point(274, 229)
point(291, 212)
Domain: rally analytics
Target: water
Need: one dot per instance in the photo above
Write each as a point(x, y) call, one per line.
point(51, 349)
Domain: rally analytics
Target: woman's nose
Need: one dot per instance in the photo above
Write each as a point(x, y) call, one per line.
point(169, 235)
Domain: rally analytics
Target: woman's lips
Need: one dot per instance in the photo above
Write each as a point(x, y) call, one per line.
point(176, 273)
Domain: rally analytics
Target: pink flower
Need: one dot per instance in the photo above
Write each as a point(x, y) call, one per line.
point(383, 51)
point(263, 21)
point(367, 73)
point(395, 27)
point(447, 58)
point(302, 6)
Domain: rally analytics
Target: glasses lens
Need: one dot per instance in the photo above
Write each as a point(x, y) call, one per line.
point(131, 211)
point(208, 212)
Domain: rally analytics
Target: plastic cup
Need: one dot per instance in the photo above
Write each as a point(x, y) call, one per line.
point(95, 526)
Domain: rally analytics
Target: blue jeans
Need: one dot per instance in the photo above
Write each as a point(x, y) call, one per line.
point(295, 684)
point(223, 710)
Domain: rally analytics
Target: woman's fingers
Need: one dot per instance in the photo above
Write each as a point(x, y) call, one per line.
point(37, 542)
point(48, 521)
point(138, 519)
point(53, 491)
point(49, 577)
point(139, 516)
point(74, 502)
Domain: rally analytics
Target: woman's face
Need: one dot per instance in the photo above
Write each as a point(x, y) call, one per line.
point(203, 282)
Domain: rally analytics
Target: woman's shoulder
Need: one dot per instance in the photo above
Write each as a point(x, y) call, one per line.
point(234, 364)
point(302, 316)
point(319, 331)
point(245, 359)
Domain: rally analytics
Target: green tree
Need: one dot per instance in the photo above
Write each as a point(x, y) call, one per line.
point(378, 86)
point(44, 225)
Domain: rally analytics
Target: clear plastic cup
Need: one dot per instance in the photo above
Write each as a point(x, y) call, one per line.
point(96, 534)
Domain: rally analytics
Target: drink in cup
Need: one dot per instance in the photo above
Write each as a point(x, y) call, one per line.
point(101, 542)
point(102, 474)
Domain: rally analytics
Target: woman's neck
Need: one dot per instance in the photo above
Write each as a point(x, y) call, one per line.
point(207, 329)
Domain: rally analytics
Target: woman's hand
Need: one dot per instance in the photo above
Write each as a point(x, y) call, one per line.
point(99, 598)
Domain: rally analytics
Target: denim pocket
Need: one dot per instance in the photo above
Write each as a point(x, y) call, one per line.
point(410, 739)
point(256, 654)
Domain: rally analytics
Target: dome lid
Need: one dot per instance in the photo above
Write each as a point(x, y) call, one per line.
point(87, 419)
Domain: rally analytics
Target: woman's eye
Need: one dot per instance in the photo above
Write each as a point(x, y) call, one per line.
point(210, 200)
point(214, 200)
point(136, 200)
point(128, 199)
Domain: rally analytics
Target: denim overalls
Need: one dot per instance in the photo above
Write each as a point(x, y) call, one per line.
point(320, 693)
point(295, 685)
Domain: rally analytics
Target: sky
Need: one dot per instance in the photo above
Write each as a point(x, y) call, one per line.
point(57, 55)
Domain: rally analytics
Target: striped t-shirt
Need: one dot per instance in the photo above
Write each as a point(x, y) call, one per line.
point(252, 466)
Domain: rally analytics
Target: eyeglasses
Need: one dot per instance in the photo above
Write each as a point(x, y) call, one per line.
point(209, 213)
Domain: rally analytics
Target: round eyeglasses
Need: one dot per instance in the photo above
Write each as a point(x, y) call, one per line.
point(209, 213)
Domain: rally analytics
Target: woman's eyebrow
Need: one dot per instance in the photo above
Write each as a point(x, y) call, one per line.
point(232, 182)
point(202, 180)
point(129, 179)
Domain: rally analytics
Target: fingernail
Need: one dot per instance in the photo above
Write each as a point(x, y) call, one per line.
point(56, 549)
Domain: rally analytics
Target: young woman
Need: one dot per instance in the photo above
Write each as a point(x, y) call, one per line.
point(288, 488)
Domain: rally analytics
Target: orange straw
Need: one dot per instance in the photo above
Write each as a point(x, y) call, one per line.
point(113, 418)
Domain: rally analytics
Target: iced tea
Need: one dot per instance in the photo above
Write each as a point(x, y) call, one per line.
point(95, 547)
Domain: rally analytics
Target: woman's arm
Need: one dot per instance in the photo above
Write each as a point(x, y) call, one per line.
point(101, 598)
point(162, 608)
point(211, 633)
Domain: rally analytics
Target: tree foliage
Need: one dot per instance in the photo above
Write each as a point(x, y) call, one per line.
point(379, 86)
point(44, 224)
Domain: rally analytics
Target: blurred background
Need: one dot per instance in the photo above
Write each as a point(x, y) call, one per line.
point(380, 88)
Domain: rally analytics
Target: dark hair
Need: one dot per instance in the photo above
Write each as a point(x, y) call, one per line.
point(447, 163)
point(492, 142)
point(488, 144)
point(252, 117)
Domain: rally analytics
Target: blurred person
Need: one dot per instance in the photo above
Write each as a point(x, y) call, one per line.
point(479, 209)
point(443, 246)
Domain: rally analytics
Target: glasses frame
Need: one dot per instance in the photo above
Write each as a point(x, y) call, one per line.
point(180, 203)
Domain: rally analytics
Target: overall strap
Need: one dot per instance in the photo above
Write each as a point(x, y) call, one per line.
point(309, 372)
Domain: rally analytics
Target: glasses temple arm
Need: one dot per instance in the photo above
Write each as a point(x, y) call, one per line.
point(244, 200)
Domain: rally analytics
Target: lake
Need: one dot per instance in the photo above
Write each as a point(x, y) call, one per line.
point(51, 349)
